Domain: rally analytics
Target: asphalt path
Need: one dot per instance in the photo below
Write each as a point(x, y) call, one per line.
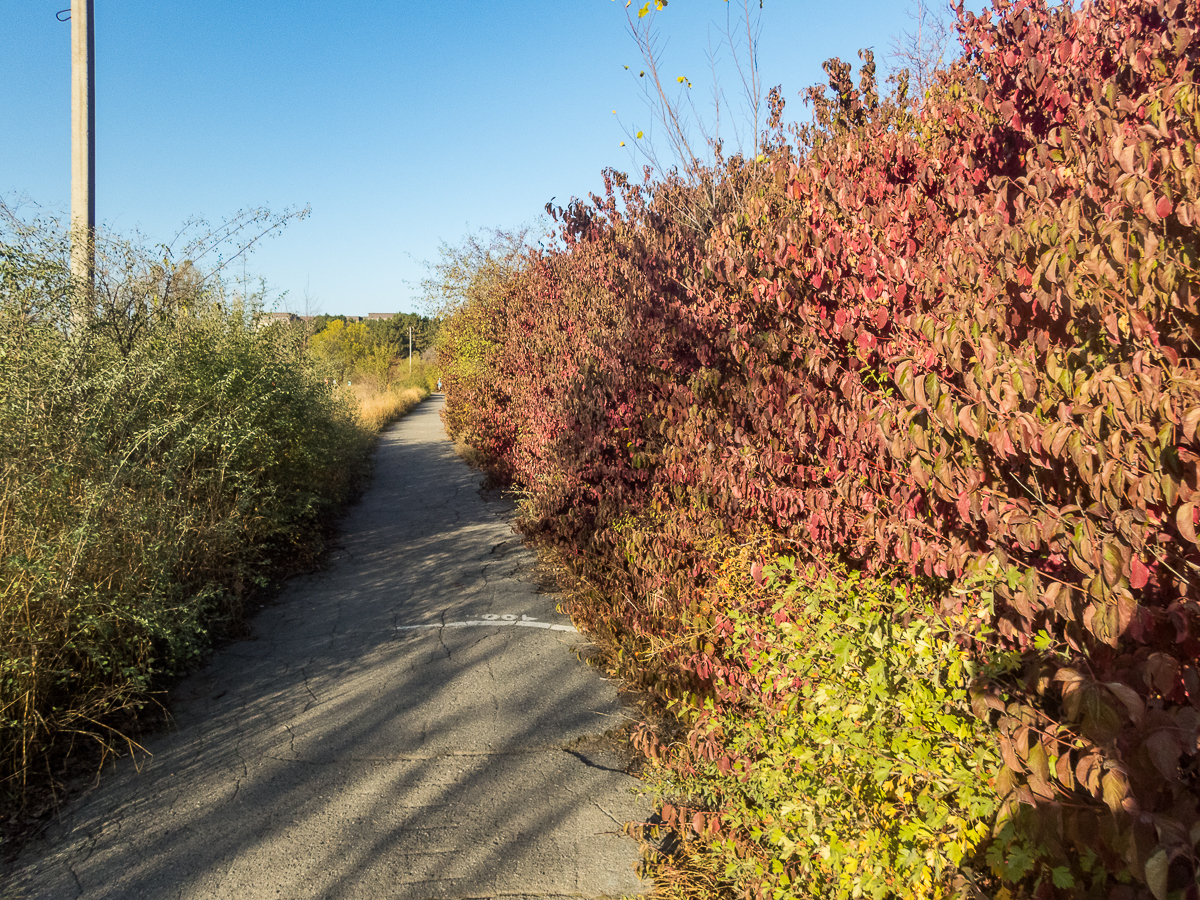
point(409, 723)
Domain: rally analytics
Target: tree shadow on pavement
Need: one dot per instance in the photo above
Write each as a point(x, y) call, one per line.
point(343, 752)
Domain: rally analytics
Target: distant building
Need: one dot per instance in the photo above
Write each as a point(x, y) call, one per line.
point(383, 316)
point(271, 318)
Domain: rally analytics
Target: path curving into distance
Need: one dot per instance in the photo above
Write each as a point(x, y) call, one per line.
point(410, 723)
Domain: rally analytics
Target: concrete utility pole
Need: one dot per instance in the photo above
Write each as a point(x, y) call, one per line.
point(83, 143)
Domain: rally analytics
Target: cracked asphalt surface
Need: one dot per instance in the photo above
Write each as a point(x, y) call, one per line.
point(409, 723)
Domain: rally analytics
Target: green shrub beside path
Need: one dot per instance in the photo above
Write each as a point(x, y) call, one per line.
point(158, 460)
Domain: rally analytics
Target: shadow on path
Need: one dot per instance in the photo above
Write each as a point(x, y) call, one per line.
point(341, 753)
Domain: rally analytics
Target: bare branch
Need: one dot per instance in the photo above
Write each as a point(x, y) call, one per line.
point(466, 272)
point(924, 50)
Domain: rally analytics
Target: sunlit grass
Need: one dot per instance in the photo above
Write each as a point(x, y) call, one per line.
point(375, 409)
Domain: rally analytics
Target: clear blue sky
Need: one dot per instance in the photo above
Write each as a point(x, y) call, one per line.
point(402, 122)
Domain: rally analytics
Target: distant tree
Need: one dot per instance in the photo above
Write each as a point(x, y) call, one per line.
point(395, 331)
point(342, 349)
point(320, 322)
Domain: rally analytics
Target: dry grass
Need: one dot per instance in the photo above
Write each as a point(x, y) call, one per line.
point(468, 454)
point(376, 409)
point(681, 869)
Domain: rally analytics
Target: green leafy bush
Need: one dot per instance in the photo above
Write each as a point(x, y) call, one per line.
point(847, 762)
point(158, 460)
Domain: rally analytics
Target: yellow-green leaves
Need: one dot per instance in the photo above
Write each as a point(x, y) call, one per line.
point(869, 771)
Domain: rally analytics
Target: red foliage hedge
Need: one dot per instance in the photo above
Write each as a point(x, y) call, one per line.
point(962, 339)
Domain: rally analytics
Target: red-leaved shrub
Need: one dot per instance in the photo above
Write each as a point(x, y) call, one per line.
point(961, 338)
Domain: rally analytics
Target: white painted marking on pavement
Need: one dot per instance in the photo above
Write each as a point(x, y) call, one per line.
point(496, 620)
